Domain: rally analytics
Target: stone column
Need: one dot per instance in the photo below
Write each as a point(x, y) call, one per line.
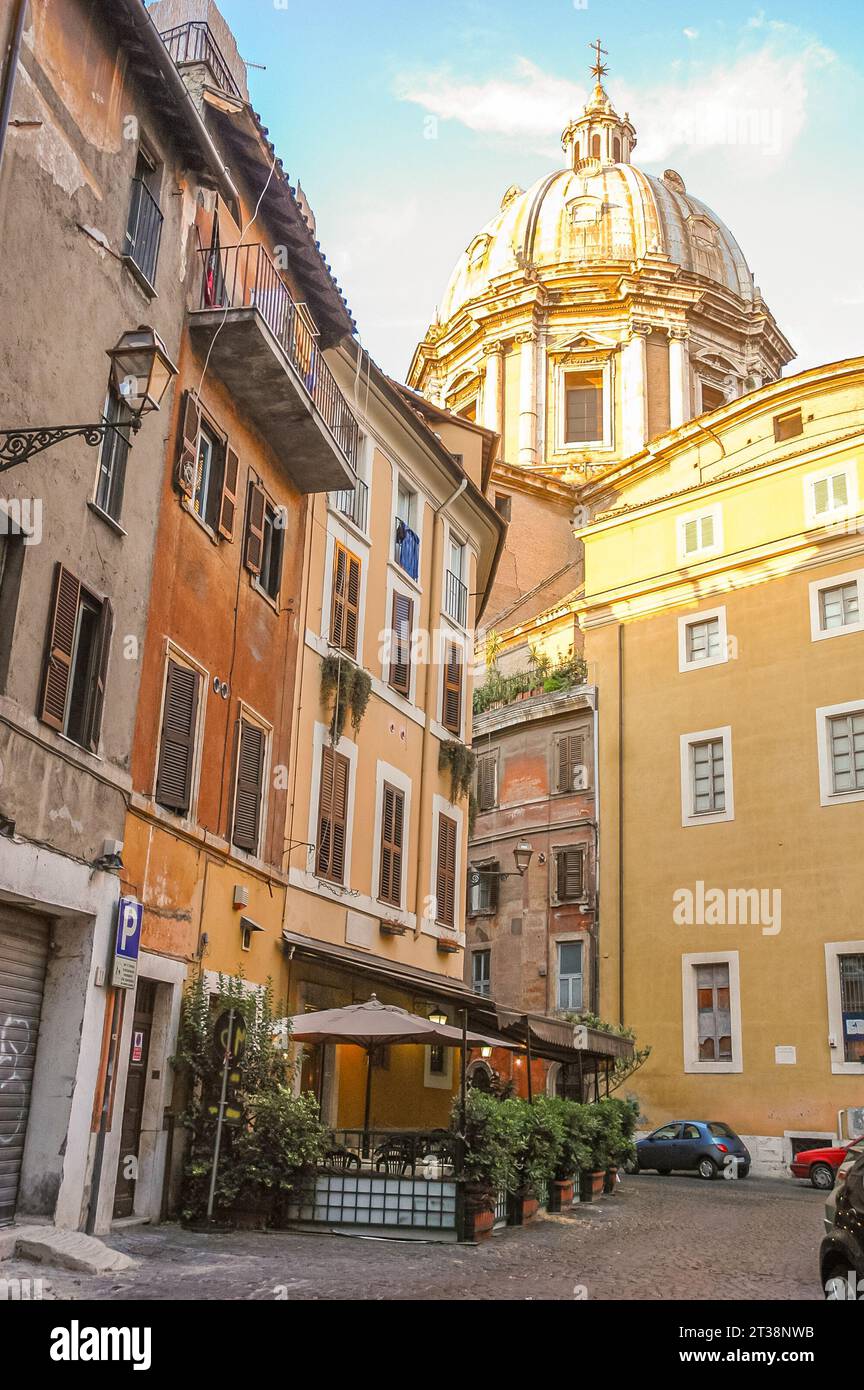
point(492, 386)
point(679, 377)
point(634, 390)
point(527, 344)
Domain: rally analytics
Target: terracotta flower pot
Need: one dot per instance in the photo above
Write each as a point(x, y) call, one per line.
point(610, 1180)
point(561, 1194)
point(591, 1185)
point(521, 1209)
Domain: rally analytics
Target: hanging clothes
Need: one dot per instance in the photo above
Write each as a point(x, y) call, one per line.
point(409, 553)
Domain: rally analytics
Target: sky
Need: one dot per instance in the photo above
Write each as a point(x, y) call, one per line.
point(405, 122)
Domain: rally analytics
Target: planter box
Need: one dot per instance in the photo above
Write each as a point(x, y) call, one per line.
point(591, 1186)
point(521, 1210)
point(610, 1181)
point(477, 1225)
point(561, 1194)
point(477, 1212)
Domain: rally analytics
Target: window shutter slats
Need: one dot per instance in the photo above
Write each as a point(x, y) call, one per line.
point(452, 712)
point(400, 658)
point(345, 601)
point(250, 786)
point(332, 816)
point(177, 742)
point(392, 827)
point(570, 874)
point(571, 759)
point(106, 628)
point(446, 871)
point(187, 452)
point(61, 644)
point(487, 777)
point(228, 506)
point(254, 547)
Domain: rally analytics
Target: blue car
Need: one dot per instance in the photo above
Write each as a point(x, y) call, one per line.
point(706, 1147)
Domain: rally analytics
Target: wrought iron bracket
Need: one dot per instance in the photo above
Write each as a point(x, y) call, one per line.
point(16, 446)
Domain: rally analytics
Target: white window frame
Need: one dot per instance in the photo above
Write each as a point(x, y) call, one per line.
point(827, 795)
point(688, 815)
point(570, 369)
point(485, 950)
point(399, 780)
point(690, 1011)
point(849, 508)
point(453, 536)
point(177, 654)
point(693, 619)
point(401, 475)
point(704, 552)
point(836, 581)
point(568, 939)
point(833, 950)
point(250, 716)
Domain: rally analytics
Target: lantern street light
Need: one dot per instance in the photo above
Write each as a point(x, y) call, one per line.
point(141, 373)
point(522, 854)
point(438, 1017)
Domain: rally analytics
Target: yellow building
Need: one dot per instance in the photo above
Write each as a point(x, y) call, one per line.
point(396, 572)
point(724, 621)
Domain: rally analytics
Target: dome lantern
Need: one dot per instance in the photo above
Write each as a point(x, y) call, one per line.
point(599, 135)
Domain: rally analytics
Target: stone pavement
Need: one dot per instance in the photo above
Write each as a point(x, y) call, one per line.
point(657, 1238)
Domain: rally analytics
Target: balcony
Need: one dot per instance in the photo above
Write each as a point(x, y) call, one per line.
point(259, 343)
point(143, 232)
point(354, 503)
point(455, 599)
point(193, 42)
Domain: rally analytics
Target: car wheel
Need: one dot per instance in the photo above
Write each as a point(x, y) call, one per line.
point(822, 1176)
point(707, 1168)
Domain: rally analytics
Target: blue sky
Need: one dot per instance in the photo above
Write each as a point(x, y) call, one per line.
point(405, 123)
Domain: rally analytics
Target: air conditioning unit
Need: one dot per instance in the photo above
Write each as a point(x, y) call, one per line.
point(855, 1121)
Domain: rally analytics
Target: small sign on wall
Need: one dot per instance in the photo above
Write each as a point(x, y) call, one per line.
point(786, 1056)
point(137, 1045)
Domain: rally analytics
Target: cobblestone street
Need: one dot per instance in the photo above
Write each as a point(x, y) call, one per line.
point(658, 1238)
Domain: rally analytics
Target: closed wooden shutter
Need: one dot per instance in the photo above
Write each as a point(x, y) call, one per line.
point(177, 741)
point(570, 874)
point(187, 451)
point(333, 816)
point(400, 650)
point(228, 506)
point(392, 832)
point(571, 762)
point(94, 721)
point(250, 787)
point(452, 711)
point(254, 547)
point(345, 603)
point(446, 871)
point(487, 781)
point(61, 644)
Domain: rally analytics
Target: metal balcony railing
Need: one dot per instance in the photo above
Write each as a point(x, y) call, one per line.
point(193, 42)
point(240, 277)
point(353, 503)
point(455, 598)
point(143, 231)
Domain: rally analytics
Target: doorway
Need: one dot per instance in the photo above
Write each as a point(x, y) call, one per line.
point(133, 1104)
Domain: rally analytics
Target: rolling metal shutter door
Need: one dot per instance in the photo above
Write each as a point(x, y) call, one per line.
point(23, 958)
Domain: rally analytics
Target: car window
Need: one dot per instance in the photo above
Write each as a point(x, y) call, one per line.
point(719, 1130)
point(667, 1132)
point(691, 1132)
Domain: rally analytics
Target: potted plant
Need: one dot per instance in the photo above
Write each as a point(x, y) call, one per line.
point(591, 1179)
point(486, 1163)
point(621, 1118)
point(538, 1132)
point(574, 1156)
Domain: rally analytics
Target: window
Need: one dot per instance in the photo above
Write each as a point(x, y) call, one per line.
point(583, 399)
point(392, 833)
point(504, 505)
point(445, 891)
point(700, 534)
point(830, 494)
point(570, 975)
point(455, 589)
point(712, 397)
point(207, 480)
point(487, 781)
point(852, 1006)
point(207, 470)
point(249, 790)
point(702, 640)
point(406, 550)
point(714, 1013)
point(400, 644)
point(481, 972)
point(76, 661)
point(706, 777)
point(144, 224)
point(483, 881)
point(332, 816)
point(571, 774)
point(12, 549)
point(788, 425)
point(569, 873)
point(451, 713)
point(113, 455)
point(175, 765)
point(345, 603)
point(837, 605)
point(846, 742)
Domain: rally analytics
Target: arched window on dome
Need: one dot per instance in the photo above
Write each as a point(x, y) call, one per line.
point(616, 149)
point(595, 146)
point(576, 152)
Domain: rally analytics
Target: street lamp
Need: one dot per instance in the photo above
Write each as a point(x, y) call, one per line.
point(523, 854)
point(438, 1018)
point(141, 372)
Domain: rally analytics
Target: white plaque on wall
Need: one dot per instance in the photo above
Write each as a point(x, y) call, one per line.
point(786, 1056)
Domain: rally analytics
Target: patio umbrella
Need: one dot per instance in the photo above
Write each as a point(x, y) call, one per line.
point(374, 1024)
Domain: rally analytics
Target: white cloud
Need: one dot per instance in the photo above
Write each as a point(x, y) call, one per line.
point(690, 33)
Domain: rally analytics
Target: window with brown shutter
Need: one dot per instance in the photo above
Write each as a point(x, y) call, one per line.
point(249, 795)
point(400, 644)
point(76, 661)
point(61, 644)
point(254, 545)
point(187, 449)
point(570, 873)
point(571, 773)
point(487, 781)
point(445, 888)
point(177, 739)
point(228, 505)
point(345, 603)
point(392, 834)
point(332, 816)
point(452, 702)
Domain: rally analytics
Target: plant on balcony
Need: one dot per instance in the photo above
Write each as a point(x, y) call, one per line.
point(349, 687)
point(624, 1067)
point(542, 678)
point(461, 763)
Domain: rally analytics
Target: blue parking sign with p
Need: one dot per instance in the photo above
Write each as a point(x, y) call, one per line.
point(127, 943)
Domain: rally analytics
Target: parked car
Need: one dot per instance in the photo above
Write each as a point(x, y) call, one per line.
point(702, 1146)
point(819, 1165)
point(854, 1150)
point(841, 1254)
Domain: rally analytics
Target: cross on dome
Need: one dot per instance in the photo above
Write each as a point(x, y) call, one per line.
point(599, 68)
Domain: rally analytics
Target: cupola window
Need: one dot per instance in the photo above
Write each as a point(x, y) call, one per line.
point(595, 146)
point(583, 396)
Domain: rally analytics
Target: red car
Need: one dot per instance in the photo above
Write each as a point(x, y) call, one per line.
point(819, 1165)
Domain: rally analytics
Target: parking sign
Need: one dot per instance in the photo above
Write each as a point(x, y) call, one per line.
point(127, 944)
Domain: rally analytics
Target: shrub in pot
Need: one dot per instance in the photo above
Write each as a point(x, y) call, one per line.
point(537, 1131)
point(487, 1164)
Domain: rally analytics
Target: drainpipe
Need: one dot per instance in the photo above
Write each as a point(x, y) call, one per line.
point(427, 735)
point(595, 963)
point(621, 823)
point(9, 72)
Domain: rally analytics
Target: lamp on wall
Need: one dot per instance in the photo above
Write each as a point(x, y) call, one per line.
point(523, 854)
point(438, 1017)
